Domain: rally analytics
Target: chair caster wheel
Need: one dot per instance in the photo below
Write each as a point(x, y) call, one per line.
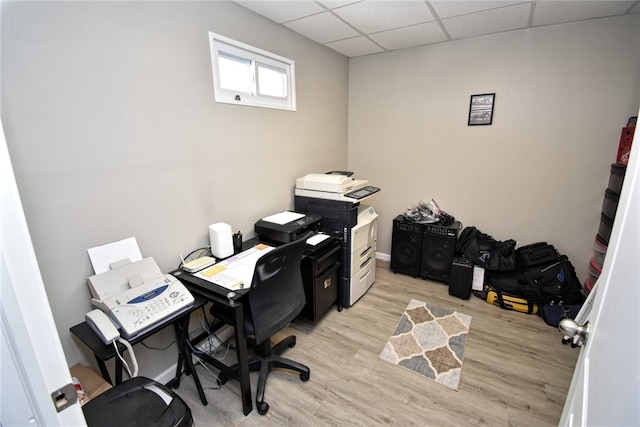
point(263, 407)
point(293, 342)
point(304, 376)
point(222, 378)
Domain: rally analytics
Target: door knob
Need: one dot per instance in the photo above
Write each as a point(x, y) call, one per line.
point(576, 333)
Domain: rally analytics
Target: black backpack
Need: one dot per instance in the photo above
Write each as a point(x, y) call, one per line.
point(541, 276)
point(551, 282)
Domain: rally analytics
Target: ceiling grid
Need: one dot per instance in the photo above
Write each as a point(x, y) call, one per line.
point(363, 27)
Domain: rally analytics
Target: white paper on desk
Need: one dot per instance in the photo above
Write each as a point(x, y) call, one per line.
point(235, 272)
point(318, 238)
point(103, 256)
point(283, 218)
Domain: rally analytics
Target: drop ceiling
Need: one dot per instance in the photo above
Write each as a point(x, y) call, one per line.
point(357, 28)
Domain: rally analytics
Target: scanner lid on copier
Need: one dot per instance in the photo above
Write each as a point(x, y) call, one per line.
point(332, 183)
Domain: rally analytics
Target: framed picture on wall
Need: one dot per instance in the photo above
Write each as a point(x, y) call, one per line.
point(481, 109)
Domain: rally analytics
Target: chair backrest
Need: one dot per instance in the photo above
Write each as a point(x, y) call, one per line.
point(277, 293)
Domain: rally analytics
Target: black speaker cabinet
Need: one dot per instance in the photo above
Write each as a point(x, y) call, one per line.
point(406, 243)
point(461, 277)
point(438, 247)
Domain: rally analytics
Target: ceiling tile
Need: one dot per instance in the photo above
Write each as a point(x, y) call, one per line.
point(362, 27)
point(332, 4)
point(558, 12)
point(372, 16)
point(415, 35)
point(488, 22)
point(357, 46)
point(281, 10)
point(448, 8)
point(323, 28)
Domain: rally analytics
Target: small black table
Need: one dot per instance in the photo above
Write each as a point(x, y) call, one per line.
point(104, 352)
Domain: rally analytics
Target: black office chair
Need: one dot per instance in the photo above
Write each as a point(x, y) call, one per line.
point(276, 298)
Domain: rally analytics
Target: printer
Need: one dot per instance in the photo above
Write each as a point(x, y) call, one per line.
point(270, 229)
point(334, 186)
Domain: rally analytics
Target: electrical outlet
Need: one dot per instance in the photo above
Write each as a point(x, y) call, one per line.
point(208, 345)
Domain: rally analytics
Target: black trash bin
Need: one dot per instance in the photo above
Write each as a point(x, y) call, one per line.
point(138, 402)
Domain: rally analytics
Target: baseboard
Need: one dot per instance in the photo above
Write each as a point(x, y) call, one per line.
point(167, 375)
point(383, 257)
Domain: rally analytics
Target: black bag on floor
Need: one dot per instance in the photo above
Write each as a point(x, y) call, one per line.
point(556, 281)
point(552, 313)
point(506, 301)
point(486, 251)
point(503, 281)
point(535, 254)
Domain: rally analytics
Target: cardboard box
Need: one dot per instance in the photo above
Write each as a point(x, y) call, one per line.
point(91, 383)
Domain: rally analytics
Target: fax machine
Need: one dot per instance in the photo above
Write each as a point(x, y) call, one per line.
point(334, 186)
point(137, 295)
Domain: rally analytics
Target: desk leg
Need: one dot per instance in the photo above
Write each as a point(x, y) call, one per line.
point(184, 353)
point(119, 368)
point(103, 370)
point(243, 359)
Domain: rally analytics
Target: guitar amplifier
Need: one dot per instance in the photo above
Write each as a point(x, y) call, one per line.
point(461, 278)
point(438, 247)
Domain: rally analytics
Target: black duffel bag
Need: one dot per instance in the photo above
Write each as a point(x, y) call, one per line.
point(485, 251)
point(556, 281)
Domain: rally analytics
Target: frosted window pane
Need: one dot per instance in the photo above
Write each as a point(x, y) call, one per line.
point(272, 82)
point(235, 73)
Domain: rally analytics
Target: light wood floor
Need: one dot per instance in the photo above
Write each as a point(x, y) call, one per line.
point(516, 371)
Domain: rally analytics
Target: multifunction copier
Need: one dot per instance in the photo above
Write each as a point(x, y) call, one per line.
point(336, 197)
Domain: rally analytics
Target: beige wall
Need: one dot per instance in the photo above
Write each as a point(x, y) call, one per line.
point(539, 173)
point(113, 132)
point(111, 126)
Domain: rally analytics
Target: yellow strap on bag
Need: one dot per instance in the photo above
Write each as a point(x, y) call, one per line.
point(510, 302)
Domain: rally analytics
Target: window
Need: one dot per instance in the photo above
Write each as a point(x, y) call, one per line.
point(245, 75)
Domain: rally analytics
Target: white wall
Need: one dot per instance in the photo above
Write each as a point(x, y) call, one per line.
point(539, 173)
point(113, 132)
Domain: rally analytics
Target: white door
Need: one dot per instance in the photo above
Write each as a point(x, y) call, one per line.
point(605, 390)
point(35, 384)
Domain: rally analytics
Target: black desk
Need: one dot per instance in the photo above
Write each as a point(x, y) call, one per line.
point(221, 296)
point(103, 352)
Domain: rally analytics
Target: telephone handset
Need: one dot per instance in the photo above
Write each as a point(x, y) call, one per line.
point(102, 326)
point(106, 330)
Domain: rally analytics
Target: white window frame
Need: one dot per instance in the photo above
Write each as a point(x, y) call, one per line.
point(257, 57)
